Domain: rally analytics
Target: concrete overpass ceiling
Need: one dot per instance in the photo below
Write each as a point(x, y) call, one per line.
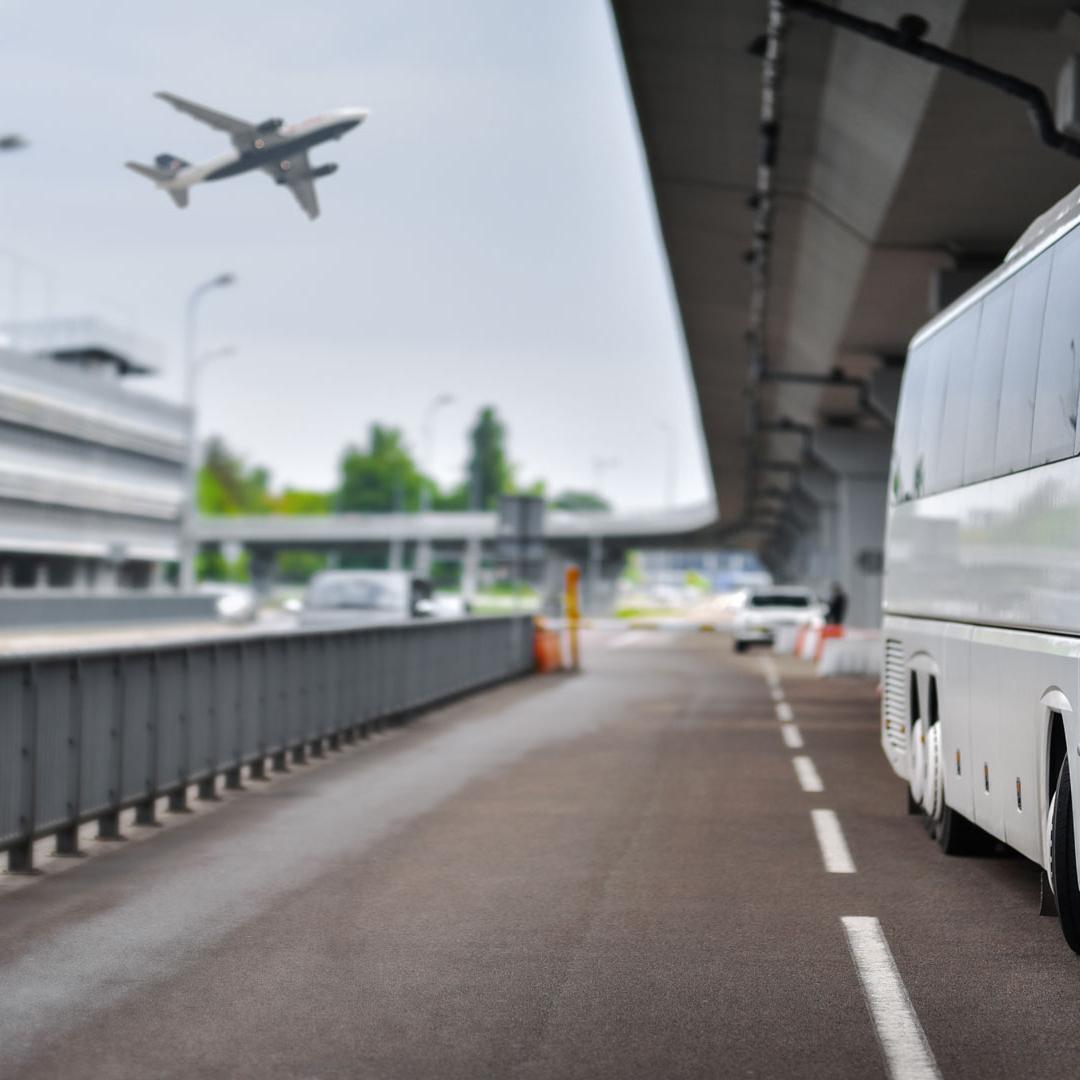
point(977, 174)
point(889, 169)
point(697, 91)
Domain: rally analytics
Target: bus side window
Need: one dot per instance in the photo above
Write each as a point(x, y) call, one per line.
point(986, 385)
point(1057, 394)
point(935, 359)
point(906, 437)
point(958, 357)
point(1013, 448)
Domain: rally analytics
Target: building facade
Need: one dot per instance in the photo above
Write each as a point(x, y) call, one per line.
point(91, 473)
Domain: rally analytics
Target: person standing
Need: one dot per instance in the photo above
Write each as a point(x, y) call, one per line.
point(837, 609)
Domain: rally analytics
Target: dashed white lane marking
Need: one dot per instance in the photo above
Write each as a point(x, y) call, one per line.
point(830, 837)
point(784, 712)
point(903, 1042)
point(792, 737)
point(630, 639)
point(777, 694)
point(809, 780)
point(769, 670)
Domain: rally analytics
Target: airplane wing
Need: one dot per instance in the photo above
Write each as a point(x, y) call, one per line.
point(297, 178)
point(243, 133)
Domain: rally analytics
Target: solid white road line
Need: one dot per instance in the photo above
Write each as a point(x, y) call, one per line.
point(830, 837)
point(792, 737)
point(903, 1042)
point(809, 780)
point(784, 712)
point(777, 694)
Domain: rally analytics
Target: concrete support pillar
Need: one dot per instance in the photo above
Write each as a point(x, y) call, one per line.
point(423, 558)
point(470, 569)
point(594, 575)
point(41, 574)
point(859, 461)
point(261, 568)
point(158, 578)
point(106, 577)
point(7, 574)
point(81, 578)
point(396, 557)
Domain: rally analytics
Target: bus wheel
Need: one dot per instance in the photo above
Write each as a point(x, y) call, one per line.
point(1063, 861)
point(953, 832)
point(917, 780)
point(934, 782)
point(958, 836)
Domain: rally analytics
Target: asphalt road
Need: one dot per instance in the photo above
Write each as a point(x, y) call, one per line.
point(610, 875)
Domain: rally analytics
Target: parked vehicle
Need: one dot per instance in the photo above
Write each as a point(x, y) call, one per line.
point(352, 596)
point(769, 608)
point(981, 702)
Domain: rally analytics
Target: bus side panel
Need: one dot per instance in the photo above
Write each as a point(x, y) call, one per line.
point(1014, 675)
point(987, 658)
point(954, 702)
point(1028, 669)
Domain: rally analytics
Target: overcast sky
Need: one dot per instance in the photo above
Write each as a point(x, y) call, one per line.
point(490, 232)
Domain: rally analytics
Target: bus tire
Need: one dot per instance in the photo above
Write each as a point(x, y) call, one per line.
point(740, 646)
point(1063, 861)
point(958, 836)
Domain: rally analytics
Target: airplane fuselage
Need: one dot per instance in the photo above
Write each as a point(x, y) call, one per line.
point(273, 149)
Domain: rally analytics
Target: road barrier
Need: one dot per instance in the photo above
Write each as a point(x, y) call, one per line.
point(87, 733)
point(20, 611)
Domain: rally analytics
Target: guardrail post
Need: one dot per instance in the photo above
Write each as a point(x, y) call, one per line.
point(257, 769)
point(233, 780)
point(178, 803)
point(208, 784)
point(109, 821)
point(146, 809)
point(21, 853)
point(67, 836)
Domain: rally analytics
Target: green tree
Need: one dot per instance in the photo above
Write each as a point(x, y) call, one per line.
point(226, 485)
point(490, 474)
point(381, 478)
point(457, 498)
point(296, 501)
point(579, 500)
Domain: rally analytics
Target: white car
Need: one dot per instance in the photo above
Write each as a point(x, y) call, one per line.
point(768, 609)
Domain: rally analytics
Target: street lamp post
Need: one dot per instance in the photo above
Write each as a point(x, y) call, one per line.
point(427, 448)
point(193, 364)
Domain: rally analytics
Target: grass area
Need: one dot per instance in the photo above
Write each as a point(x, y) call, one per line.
point(645, 612)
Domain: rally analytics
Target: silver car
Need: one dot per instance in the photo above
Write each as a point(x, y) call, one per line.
point(339, 597)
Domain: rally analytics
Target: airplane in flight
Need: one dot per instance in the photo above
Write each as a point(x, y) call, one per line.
point(279, 149)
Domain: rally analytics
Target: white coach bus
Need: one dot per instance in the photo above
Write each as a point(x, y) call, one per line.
point(981, 702)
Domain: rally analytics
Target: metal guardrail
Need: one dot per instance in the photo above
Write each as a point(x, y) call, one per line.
point(88, 733)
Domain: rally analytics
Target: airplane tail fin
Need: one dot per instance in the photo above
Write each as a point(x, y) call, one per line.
point(165, 167)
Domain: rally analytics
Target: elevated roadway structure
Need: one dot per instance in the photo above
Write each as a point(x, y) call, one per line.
point(597, 539)
point(892, 185)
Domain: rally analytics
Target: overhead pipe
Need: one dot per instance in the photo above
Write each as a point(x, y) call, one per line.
point(907, 37)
